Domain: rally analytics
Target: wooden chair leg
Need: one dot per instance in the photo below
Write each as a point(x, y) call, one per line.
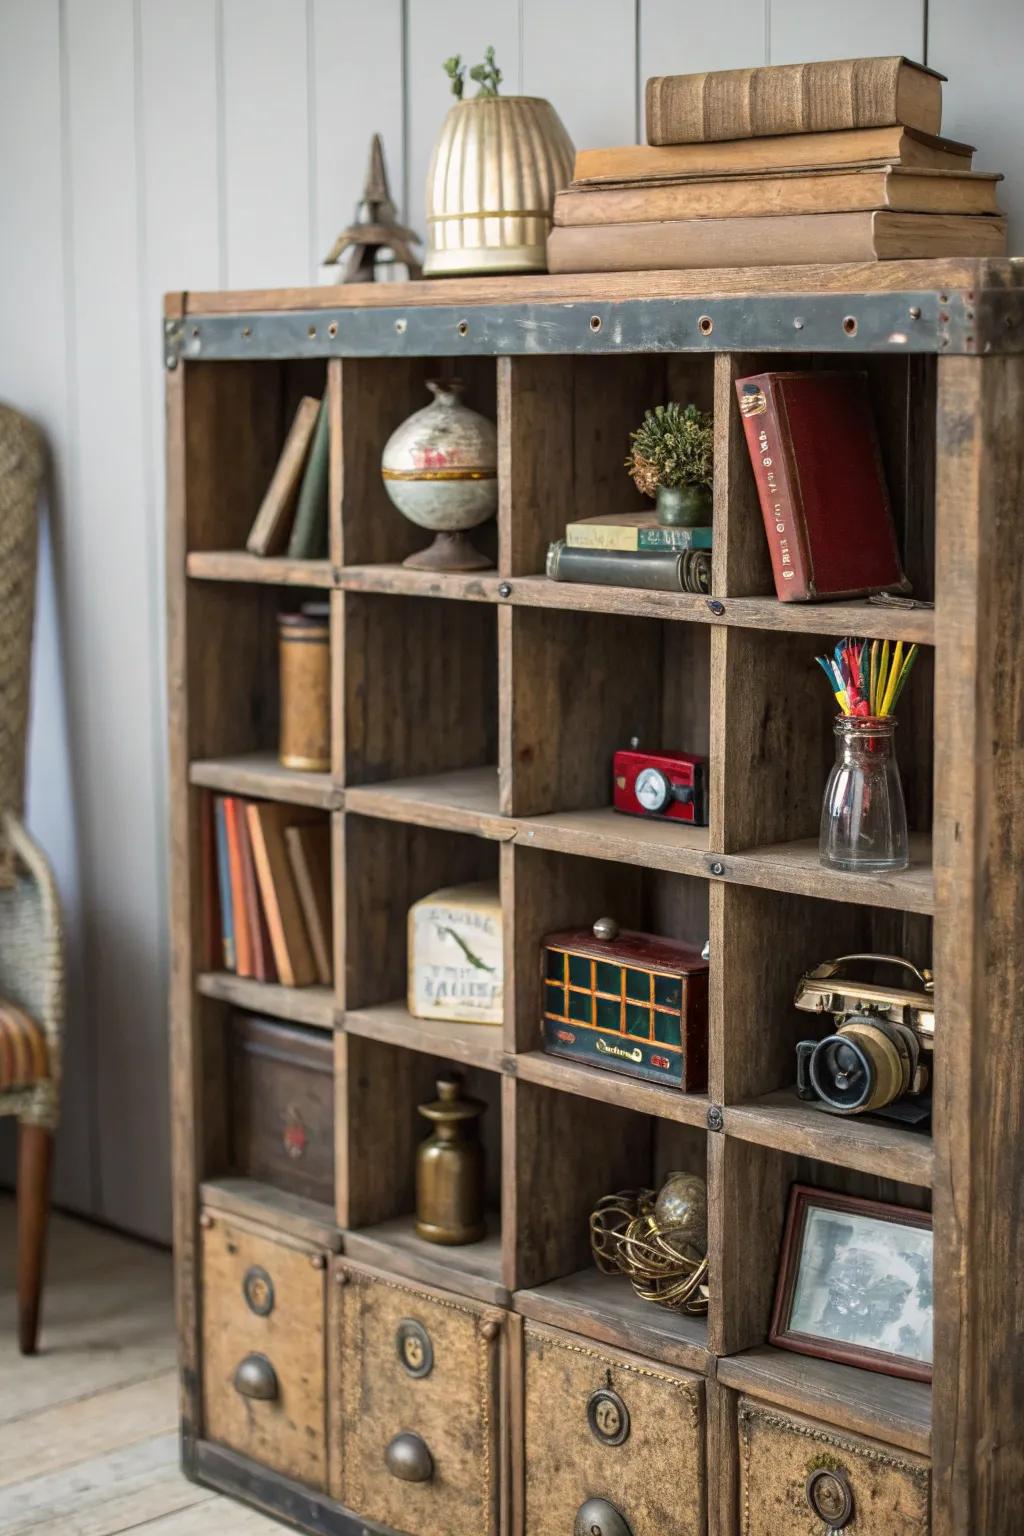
point(35, 1150)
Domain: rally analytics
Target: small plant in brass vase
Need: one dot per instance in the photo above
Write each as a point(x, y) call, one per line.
point(496, 166)
point(671, 458)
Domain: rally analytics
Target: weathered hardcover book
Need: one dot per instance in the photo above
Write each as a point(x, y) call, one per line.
point(773, 240)
point(269, 532)
point(260, 950)
point(793, 98)
point(309, 850)
point(293, 955)
point(234, 809)
point(670, 570)
point(227, 927)
point(835, 191)
point(814, 449)
point(632, 531)
point(309, 531)
point(782, 152)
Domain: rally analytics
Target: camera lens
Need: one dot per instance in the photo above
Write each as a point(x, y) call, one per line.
point(842, 1074)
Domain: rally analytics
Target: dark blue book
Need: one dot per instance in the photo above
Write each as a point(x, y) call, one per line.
point(227, 924)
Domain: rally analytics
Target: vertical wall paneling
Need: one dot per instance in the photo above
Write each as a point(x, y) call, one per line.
point(980, 48)
point(114, 660)
point(435, 31)
point(681, 37)
point(356, 73)
point(34, 357)
point(806, 29)
point(581, 55)
point(267, 144)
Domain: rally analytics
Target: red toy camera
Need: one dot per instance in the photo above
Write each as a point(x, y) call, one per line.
point(670, 786)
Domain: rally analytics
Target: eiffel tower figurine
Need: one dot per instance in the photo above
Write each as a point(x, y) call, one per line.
point(375, 229)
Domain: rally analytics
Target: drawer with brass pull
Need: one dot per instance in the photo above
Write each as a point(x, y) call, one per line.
point(263, 1346)
point(415, 1442)
point(614, 1445)
point(799, 1477)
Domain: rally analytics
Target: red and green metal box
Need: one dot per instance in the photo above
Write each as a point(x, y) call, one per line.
point(629, 1002)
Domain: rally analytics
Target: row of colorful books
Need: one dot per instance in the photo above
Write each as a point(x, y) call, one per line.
point(784, 164)
point(269, 905)
point(632, 549)
point(292, 517)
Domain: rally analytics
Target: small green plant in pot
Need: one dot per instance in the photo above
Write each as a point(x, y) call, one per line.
point(671, 458)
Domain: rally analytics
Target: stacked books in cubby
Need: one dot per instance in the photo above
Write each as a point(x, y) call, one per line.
point(632, 549)
point(791, 163)
point(268, 891)
point(292, 518)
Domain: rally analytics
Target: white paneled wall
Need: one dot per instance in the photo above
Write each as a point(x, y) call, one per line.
point(149, 145)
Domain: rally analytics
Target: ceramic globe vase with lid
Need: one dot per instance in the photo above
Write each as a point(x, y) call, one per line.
point(440, 468)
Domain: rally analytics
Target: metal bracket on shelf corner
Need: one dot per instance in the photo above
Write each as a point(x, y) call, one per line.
point(887, 323)
point(172, 341)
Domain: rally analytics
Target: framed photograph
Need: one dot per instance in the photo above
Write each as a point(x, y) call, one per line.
point(855, 1283)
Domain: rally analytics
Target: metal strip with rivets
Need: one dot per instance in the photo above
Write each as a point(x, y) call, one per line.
point(926, 321)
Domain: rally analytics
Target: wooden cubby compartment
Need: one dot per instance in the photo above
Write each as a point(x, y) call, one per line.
point(545, 891)
point(757, 1182)
point(564, 425)
point(376, 395)
point(578, 686)
point(419, 687)
point(378, 1088)
point(603, 1149)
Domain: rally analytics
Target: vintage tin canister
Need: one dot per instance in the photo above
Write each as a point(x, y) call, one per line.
point(629, 1002)
point(305, 669)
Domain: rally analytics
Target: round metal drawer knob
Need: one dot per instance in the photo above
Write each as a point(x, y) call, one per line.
point(596, 1517)
point(830, 1497)
point(408, 1458)
point(255, 1377)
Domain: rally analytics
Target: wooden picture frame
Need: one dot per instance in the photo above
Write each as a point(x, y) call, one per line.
point(841, 1346)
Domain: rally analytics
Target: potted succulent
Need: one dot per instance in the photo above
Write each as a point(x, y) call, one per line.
point(497, 164)
point(671, 458)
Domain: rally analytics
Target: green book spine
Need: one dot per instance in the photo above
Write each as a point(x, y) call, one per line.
point(309, 531)
point(629, 537)
point(673, 538)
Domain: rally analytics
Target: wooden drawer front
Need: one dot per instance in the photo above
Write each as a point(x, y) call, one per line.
point(888, 1490)
point(654, 1477)
point(445, 1393)
point(282, 1324)
point(282, 1105)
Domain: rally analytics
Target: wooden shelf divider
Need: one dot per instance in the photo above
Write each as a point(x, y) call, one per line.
point(313, 1005)
point(889, 1409)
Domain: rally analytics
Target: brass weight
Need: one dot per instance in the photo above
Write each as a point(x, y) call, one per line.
point(450, 1167)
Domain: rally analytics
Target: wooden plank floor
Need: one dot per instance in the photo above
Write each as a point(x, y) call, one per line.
point(88, 1428)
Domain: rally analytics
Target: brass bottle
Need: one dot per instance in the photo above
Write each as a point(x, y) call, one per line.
point(450, 1167)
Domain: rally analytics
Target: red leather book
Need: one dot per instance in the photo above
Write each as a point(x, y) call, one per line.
point(814, 448)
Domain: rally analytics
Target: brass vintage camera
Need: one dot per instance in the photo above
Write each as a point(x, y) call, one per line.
point(880, 1051)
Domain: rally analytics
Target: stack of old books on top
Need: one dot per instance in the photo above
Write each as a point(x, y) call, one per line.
point(632, 549)
point(791, 163)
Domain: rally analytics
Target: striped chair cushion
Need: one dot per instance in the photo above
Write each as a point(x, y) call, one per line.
point(23, 1055)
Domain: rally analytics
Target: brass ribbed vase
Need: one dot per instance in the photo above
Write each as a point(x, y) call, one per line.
point(493, 176)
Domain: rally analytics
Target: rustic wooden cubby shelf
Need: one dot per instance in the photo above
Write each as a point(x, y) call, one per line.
point(473, 722)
